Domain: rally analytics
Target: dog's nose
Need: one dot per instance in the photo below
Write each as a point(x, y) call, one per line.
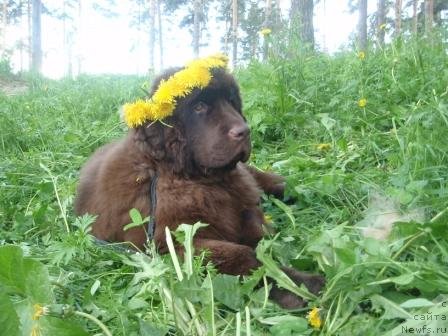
point(239, 132)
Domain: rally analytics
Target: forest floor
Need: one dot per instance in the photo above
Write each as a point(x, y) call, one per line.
point(11, 86)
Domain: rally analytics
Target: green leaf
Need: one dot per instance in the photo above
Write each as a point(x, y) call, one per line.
point(136, 218)
point(11, 270)
point(417, 303)
point(38, 286)
point(24, 276)
point(375, 247)
point(274, 271)
point(135, 215)
point(226, 289)
point(55, 326)
point(184, 234)
point(9, 321)
point(391, 309)
point(132, 225)
point(189, 289)
point(346, 255)
point(289, 327)
point(149, 329)
point(95, 287)
point(286, 209)
point(404, 279)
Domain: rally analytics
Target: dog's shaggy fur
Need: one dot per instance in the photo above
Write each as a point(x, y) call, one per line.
point(198, 155)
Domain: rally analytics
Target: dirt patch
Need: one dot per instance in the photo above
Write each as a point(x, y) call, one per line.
point(12, 87)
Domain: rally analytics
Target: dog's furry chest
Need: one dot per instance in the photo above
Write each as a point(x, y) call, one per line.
point(230, 206)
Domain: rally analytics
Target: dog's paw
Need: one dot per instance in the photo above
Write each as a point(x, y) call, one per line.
point(278, 190)
point(285, 298)
point(313, 282)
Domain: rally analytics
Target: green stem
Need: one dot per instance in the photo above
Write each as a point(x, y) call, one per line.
point(96, 321)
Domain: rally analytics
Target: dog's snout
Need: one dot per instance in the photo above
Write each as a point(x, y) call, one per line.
point(239, 132)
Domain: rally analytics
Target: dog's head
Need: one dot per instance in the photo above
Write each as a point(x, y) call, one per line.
point(206, 132)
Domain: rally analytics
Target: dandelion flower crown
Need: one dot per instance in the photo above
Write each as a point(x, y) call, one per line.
point(197, 74)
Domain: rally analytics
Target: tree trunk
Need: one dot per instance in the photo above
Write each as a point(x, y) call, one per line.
point(429, 16)
point(196, 27)
point(234, 31)
point(4, 27)
point(278, 17)
point(414, 17)
point(362, 25)
point(398, 5)
point(79, 34)
point(159, 20)
point(381, 21)
point(267, 25)
point(301, 21)
point(36, 63)
point(65, 46)
point(152, 33)
point(28, 12)
point(306, 11)
point(227, 37)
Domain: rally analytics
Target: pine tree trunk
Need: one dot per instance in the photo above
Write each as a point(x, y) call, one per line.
point(362, 25)
point(429, 16)
point(267, 24)
point(196, 27)
point(79, 55)
point(65, 45)
point(306, 11)
point(29, 50)
point(381, 21)
point(234, 31)
point(36, 63)
point(159, 19)
point(152, 33)
point(4, 27)
point(398, 5)
point(278, 17)
point(301, 21)
point(414, 17)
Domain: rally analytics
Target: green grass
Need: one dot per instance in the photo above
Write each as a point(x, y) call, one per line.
point(394, 149)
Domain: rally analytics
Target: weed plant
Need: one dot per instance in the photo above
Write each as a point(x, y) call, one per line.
point(343, 129)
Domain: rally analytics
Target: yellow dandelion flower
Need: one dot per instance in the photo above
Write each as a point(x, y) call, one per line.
point(214, 61)
point(199, 77)
point(163, 93)
point(323, 146)
point(314, 319)
point(176, 87)
point(361, 55)
point(265, 31)
point(196, 74)
point(136, 113)
point(161, 111)
point(38, 311)
point(362, 102)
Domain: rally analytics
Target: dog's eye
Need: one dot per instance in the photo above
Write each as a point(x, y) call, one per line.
point(200, 107)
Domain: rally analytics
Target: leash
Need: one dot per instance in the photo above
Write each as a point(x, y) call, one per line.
point(153, 205)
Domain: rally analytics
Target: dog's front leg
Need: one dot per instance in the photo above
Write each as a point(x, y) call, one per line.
point(270, 183)
point(229, 258)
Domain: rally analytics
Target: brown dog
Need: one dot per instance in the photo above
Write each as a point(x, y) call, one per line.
point(197, 154)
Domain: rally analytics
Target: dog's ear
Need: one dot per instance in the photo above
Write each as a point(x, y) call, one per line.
point(165, 143)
